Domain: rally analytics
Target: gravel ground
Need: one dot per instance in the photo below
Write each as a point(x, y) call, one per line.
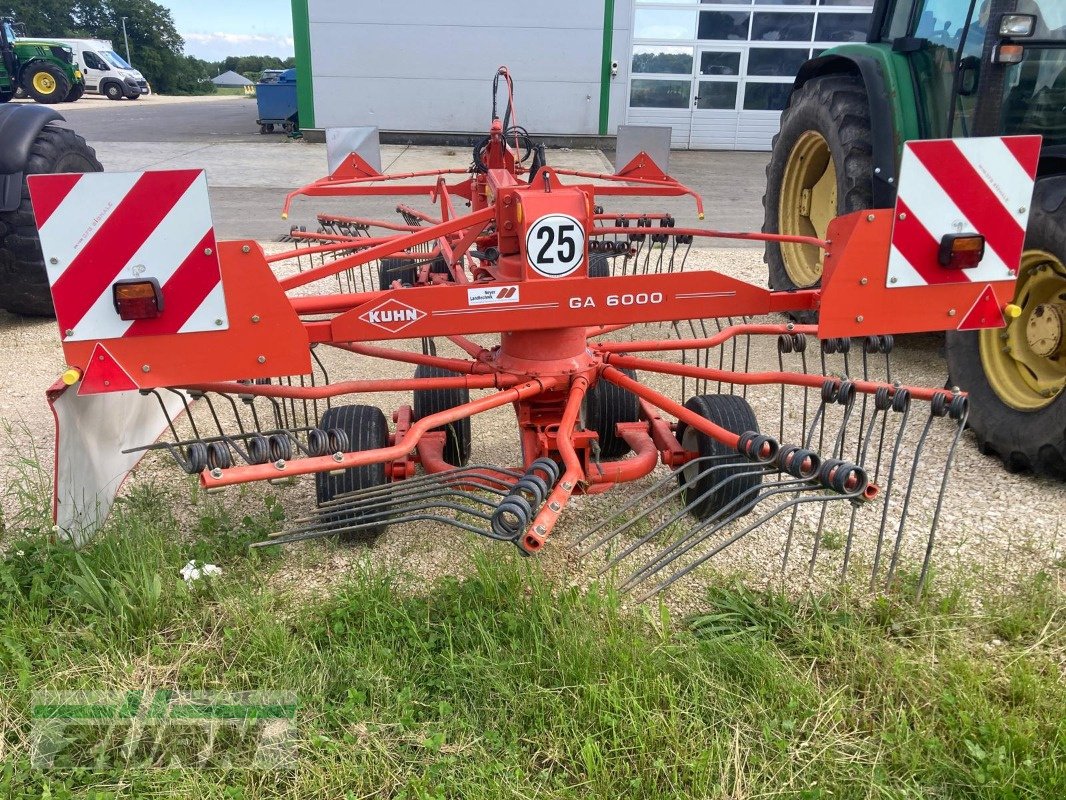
point(994, 526)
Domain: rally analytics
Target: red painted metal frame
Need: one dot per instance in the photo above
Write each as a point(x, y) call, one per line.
point(546, 360)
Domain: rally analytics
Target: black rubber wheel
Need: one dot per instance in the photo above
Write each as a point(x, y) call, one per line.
point(1033, 439)
point(836, 109)
point(431, 401)
point(59, 83)
point(393, 269)
point(599, 266)
point(366, 429)
point(23, 279)
point(113, 91)
point(605, 406)
point(732, 475)
point(75, 93)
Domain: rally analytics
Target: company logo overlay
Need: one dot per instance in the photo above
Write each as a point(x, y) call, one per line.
point(492, 295)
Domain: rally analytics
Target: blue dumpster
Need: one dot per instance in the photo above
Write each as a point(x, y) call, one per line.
point(276, 98)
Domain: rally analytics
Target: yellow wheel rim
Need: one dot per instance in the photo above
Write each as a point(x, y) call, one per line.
point(1025, 363)
point(44, 83)
point(807, 203)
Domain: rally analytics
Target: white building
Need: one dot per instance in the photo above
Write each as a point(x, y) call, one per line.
point(717, 72)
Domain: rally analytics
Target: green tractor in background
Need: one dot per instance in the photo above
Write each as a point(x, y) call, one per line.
point(42, 70)
point(933, 69)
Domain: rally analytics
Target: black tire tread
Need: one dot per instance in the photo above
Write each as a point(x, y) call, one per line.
point(432, 401)
point(605, 406)
point(62, 83)
point(367, 429)
point(1034, 440)
point(837, 107)
point(733, 413)
point(23, 278)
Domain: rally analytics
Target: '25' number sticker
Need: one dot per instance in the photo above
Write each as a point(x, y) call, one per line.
point(555, 245)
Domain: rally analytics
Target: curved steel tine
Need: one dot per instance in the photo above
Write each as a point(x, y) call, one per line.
point(886, 495)
point(662, 483)
point(708, 527)
point(861, 461)
point(675, 577)
point(370, 515)
point(188, 410)
point(940, 502)
point(419, 483)
point(659, 528)
point(451, 521)
point(905, 509)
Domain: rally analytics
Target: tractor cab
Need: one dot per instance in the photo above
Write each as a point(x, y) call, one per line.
point(983, 67)
point(7, 50)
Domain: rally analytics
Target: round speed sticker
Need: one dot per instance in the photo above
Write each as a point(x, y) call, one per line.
point(555, 245)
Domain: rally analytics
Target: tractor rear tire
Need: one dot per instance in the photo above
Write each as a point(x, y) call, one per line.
point(23, 278)
point(432, 401)
point(367, 430)
point(75, 93)
point(729, 476)
point(1009, 416)
point(45, 83)
point(605, 406)
point(821, 167)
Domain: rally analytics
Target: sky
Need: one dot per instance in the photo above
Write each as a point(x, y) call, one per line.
point(214, 29)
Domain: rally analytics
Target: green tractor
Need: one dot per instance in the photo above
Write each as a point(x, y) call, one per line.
point(933, 69)
point(43, 70)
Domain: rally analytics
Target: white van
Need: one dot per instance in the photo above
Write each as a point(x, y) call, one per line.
point(106, 72)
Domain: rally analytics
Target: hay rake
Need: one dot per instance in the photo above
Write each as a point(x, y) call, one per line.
point(238, 342)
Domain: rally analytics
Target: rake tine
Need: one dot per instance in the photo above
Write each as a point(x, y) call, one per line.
point(661, 526)
point(419, 483)
point(959, 412)
point(732, 540)
point(455, 523)
point(881, 404)
point(900, 404)
point(662, 483)
point(938, 403)
point(693, 538)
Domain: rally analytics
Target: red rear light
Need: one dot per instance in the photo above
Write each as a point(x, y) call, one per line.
point(961, 250)
point(138, 299)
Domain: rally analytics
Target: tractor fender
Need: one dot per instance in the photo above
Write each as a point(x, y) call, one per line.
point(1053, 191)
point(883, 128)
point(19, 126)
point(1052, 161)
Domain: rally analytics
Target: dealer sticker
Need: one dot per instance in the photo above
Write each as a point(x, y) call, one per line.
point(491, 295)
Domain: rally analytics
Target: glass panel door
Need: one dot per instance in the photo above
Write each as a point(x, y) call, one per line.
point(715, 95)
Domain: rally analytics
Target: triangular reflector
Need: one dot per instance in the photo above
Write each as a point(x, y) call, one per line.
point(104, 374)
point(984, 313)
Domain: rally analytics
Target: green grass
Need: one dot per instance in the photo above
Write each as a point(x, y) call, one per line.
point(507, 685)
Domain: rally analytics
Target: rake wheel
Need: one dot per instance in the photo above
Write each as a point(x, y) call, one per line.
point(432, 401)
point(716, 483)
point(605, 406)
point(367, 430)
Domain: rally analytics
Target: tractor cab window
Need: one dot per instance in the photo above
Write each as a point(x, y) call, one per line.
point(1034, 97)
point(9, 33)
point(93, 61)
point(943, 44)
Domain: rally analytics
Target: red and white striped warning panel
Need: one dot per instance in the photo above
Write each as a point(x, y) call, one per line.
point(101, 227)
point(952, 186)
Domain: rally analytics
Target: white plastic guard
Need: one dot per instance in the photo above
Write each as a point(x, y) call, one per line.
point(90, 467)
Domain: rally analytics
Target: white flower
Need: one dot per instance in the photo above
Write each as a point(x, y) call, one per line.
point(20, 552)
point(191, 572)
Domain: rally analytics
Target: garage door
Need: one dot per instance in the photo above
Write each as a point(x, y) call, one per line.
point(719, 73)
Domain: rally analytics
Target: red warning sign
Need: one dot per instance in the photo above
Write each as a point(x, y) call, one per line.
point(104, 374)
point(984, 313)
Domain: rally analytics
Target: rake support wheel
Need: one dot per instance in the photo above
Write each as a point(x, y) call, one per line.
point(366, 429)
point(729, 475)
point(432, 401)
point(605, 406)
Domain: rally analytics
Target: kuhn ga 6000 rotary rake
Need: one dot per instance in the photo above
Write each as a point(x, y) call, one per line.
point(580, 300)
